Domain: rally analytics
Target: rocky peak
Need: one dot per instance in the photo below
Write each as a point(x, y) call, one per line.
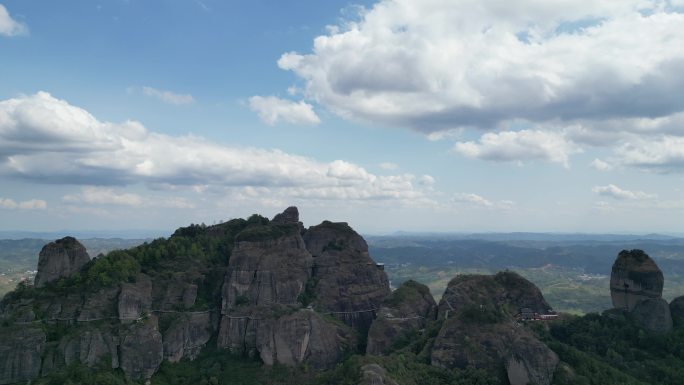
point(634, 277)
point(347, 283)
point(289, 216)
point(60, 258)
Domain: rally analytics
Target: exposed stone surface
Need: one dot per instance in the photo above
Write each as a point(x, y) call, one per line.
point(409, 308)
point(291, 339)
point(60, 258)
point(100, 305)
point(374, 374)
point(479, 329)
point(272, 271)
point(653, 314)
point(634, 277)
point(677, 310)
point(141, 350)
point(20, 354)
point(135, 299)
point(187, 335)
point(348, 283)
point(289, 216)
point(88, 346)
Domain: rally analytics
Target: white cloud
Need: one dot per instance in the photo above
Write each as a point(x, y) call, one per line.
point(474, 199)
point(47, 140)
point(272, 110)
point(478, 201)
point(168, 96)
point(389, 166)
point(600, 165)
point(614, 191)
point(33, 204)
point(439, 64)
point(662, 154)
point(104, 196)
point(522, 145)
point(107, 196)
point(9, 26)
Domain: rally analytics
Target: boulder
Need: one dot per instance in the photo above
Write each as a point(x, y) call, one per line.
point(653, 314)
point(530, 361)
point(374, 374)
point(58, 259)
point(289, 216)
point(408, 309)
point(677, 310)
point(89, 346)
point(21, 349)
point(347, 283)
point(634, 277)
point(100, 305)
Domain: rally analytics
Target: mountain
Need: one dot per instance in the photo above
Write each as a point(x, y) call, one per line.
point(255, 301)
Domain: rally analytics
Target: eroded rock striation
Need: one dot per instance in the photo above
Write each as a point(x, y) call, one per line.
point(61, 258)
point(636, 286)
point(634, 277)
point(347, 283)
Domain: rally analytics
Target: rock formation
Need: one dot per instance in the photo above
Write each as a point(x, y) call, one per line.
point(677, 310)
point(479, 329)
point(374, 374)
point(408, 309)
point(634, 278)
point(60, 258)
point(348, 284)
point(636, 286)
point(20, 354)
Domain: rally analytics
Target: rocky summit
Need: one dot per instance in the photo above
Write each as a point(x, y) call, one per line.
point(59, 259)
point(636, 286)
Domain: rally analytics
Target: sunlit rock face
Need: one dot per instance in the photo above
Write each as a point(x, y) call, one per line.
point(59, 259)
point(635, 277)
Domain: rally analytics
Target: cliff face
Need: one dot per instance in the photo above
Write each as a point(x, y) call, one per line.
point(634, 277)
point(348, 284)
point(60, 258)
point(408, 309)
point(20, 354)
point(479, 329)
point(636, 285)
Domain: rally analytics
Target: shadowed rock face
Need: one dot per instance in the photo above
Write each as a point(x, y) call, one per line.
point(60, 258)
point(677, 310)
point(20, 354)
point(653, 314)
point(374, 374)
point(634, 277)
point(348, 283)
point(479, 329)
point(409, 308)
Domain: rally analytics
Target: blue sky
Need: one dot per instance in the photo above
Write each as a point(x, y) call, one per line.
point(392, 115)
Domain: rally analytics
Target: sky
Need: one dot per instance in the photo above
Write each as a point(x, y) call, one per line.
point(392, 115)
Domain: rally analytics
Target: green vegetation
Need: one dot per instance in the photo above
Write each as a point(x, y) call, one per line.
point(482, 314)
point(309, 294)
point(257, 233)
point(79, 374)
point(612, 349)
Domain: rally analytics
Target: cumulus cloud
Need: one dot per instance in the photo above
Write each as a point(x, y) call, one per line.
point(664, 154)
point(478, 201)
point(168, 96)
point(521, 145)
point(435, 65)
point(600, 165)
point(48, 140)
point(272, 110)
point(616, 192)
point(9, 26)
point(33, 204)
